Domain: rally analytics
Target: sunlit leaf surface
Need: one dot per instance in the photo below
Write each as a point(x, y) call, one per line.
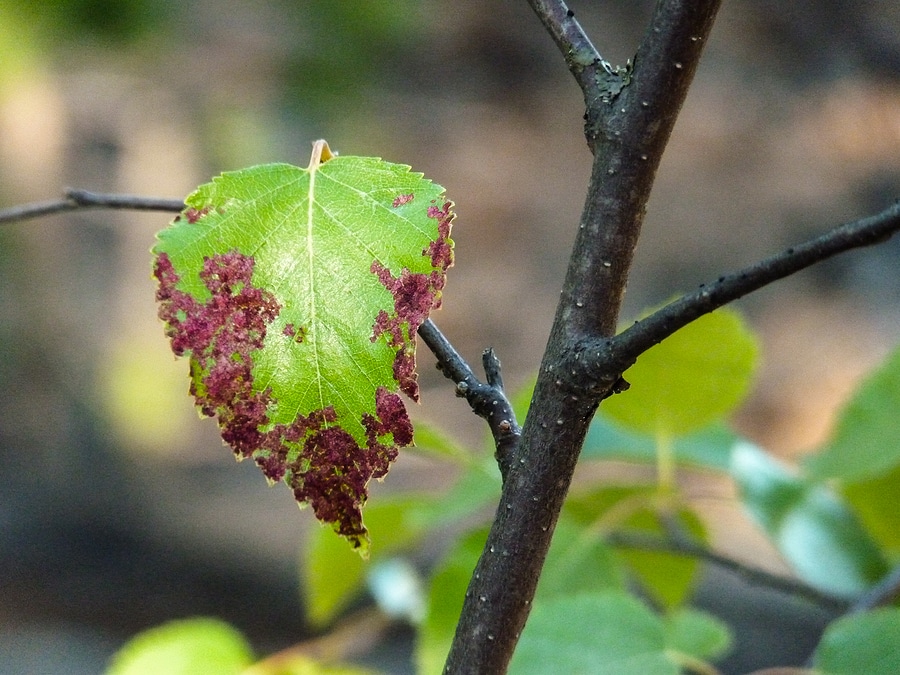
point(297, 294)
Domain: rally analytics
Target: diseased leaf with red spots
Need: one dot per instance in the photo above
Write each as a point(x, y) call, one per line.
point(296, 294)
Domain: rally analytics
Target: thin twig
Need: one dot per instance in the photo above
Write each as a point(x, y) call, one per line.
point(82, 199)
point(487, 400)
point(605, 355)
point(753, 575)
point(884, 592)
point(584, 61)
point(574, 44)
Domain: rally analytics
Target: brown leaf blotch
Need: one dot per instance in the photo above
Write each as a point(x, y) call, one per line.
point(402, 199)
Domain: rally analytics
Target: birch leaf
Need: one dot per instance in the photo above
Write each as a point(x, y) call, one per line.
point(296, 294)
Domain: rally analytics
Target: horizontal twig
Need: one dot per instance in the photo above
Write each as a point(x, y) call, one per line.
point(82, 199)
point(753, 575)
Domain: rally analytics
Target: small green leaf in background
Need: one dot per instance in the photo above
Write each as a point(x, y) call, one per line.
point(475, 492)
point(811, 526)
point(333, 575)
point(297, 294)
point(578, 560)
point(709, 447)
point(613, 633)
point(446, 594)
point(866, 442)
point(861, 644)
point(697, 634)
point(433, 441)
point(877, 503)
point(668, 578)
point(521, 399)
point(692, 378)
point(301, 665)
point(593, 634)
point(185, 647)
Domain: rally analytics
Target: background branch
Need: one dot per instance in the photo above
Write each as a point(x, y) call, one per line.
point(883, 593)
point(753, 575)
point(82, 199)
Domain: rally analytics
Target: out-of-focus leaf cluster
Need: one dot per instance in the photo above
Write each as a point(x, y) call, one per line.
point(831, 520)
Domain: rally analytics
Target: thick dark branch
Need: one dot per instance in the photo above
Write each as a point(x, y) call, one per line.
point(488, 400)
point(82, 199)
point(753, 575)
point(627, 132)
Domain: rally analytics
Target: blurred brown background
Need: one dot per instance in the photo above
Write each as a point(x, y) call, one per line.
point(118, 509)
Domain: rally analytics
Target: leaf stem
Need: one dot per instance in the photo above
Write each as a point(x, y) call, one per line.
point(665, 462)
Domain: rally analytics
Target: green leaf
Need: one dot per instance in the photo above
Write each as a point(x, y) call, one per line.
point(709, 447)
point(578, 560)
point(521, 399)
point(666, 577)
point(593, 634)
point(875, 501)
point(476, 490)
point(696, 376)
point(333, 575)
point(297, 294)
point(446, 594)
point(865, 443)
point(432, 441)
point(810, 525)
point(302, 665)
point(697, 634)
point(184, 647)
point(614, 633)
point(861, 643)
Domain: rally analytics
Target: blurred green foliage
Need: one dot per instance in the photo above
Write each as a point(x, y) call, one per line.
point(586, 616)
